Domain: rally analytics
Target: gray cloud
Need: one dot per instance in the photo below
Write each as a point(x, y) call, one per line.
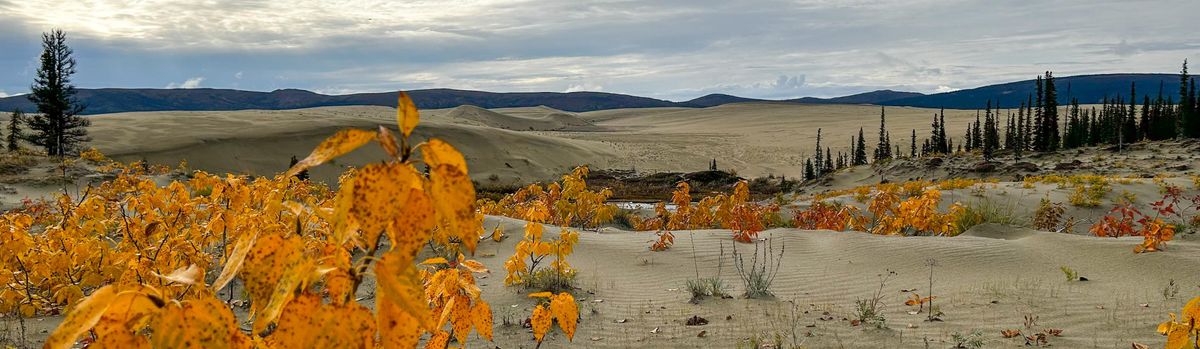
point(672, 49)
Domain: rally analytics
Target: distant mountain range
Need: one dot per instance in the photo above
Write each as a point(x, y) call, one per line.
point(1088, 88)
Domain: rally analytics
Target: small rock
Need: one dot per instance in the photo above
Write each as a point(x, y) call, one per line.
point(702, 334)
point(1023, 166)
point(621, 321)
point(594, 339)
point(696, 320)
point(984, 166)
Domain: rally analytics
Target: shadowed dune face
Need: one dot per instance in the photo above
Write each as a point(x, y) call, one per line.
point(262, 142)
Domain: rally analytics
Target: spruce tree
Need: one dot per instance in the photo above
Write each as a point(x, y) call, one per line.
point(1129, 125)
point(990, 136)
point(933, 135)
point(818, 161)
point(58, 128)
point(1040, 137)
point(884, 148)
point(977, 132)
point(1050, 104)
point(913, 147)
point(944, 145)
point(13, 140)
point(808, 170)
point(828, 162)
point(1184, 123)
point(860, 151)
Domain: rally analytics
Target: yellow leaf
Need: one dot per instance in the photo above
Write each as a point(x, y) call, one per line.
point(435, 260)
point(407, 116)
point(474, 266)
point(81, 318)
point(388, 142)
point(540, 321)
point(270, 257)
point(234, 263)
point(189, 275)
point(397, 280)
point(452, 192)
point(390, 197)
point(397, 329)
point(127, 314)
point(541, 295)
point(204, 322)
point(461, 318)
point(566, 311)
point(340, 143)
point(306, 323)
point(481, 317)
point(293, 277)
point(439, 340)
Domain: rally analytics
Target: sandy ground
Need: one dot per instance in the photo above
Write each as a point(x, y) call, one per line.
point(988, 280)
point(519, 145)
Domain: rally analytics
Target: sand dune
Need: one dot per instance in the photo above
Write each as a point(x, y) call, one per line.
point(261, 142)
point(521, 144)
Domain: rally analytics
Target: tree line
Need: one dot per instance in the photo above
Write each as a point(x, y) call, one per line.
point(1036, 126)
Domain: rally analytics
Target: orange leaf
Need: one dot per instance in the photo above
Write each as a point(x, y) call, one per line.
point(340, 143)
point(407, 115)
point(81, 318)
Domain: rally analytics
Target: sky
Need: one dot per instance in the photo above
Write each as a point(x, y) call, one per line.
point(668, 49)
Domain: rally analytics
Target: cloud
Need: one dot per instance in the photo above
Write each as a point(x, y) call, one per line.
point(3, 94)
point(189, 83)
point(670, 49)
point(584, 87)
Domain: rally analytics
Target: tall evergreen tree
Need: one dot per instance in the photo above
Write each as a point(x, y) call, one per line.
point(1050, 104)
point(912, 151)
point(1040, 137)
point(1129, 124)
point(943, 141)
point(884, 149)
point(828, 162)
point(58, 128)
point(13, 140)
point(860, 150)
point(818, 161)
point(977, 131)
point(933, 140)
point(1185, 124)
point(991, 138)
point(809, 174)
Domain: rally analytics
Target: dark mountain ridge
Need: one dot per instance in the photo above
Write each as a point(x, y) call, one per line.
point(1088, 89)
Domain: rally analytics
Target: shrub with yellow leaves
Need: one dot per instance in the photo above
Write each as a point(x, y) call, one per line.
point(142, 252)
point(568, 202)
point(523, 266)
point(554, 308)
point(1183, 332)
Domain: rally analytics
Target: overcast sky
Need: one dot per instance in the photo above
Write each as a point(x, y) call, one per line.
point(672, 49)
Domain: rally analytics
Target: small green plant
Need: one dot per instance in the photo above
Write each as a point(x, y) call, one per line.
point(1170, 291)
point(985, 211)
point(758, 276)
point(969, 341)
point(1069, 273)
point(706, 287)
point(1126, 198)
point(867, 310)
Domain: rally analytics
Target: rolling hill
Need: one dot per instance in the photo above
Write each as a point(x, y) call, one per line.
point(1088, 88)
